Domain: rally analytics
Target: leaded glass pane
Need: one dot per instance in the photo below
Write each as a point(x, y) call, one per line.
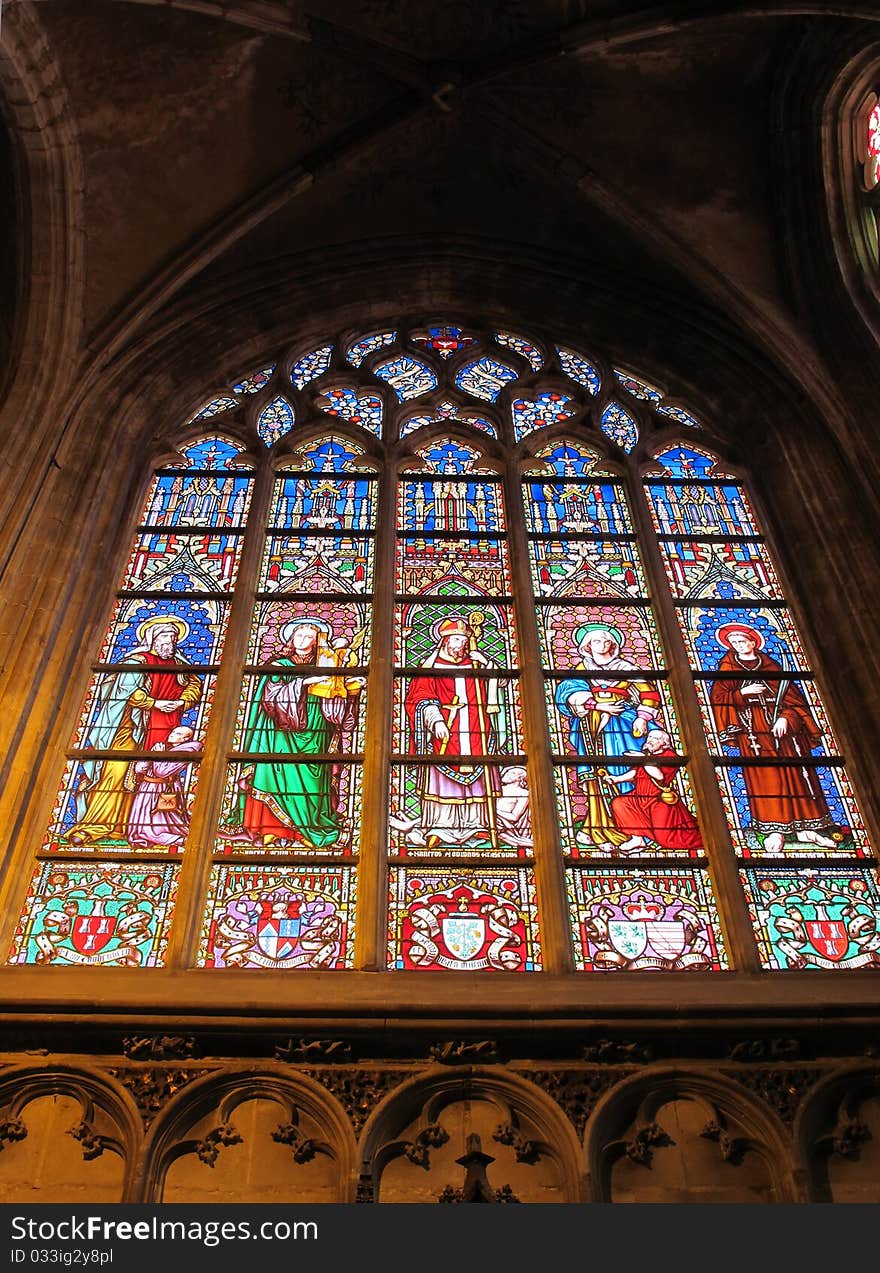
point(343, 562)
point(617, 638)
point(302, 502)
point(586, 568)
point(214, 407)
point(576, 729)
point(519, 345)
point(680, 416)
point(279, 917)
point(444, 340)
point(484, 378)
point(275, 420)
point(637, 387)
point(814, 918)
point(446, 565)
point(498, 822)
point(619, 426)
point(357, 407)
point(172, 561)
point(485, 628)
point(408, 377)
point(463, 920)
point(96, 914)
point(217, 500)
point(276, 806)
point(310, 366)
point(437, 504)
point(256, 381)
point(578, 369)
point(791, 811)
point(641, 807)
point(727, 570)
point(597, 508)
point(357, 352)
point(342, 627)
point(541, 412)
point(700, 508)
point(639, 919)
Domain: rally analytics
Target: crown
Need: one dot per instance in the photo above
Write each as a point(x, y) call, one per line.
point(643, 906)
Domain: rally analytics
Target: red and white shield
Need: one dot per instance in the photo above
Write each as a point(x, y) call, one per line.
point(92, 932)
point(829, 936)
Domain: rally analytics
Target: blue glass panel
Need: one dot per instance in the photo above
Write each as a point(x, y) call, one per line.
point(310, 366)
point(619, 426)
point(357, 352)
point(684, 461)
point(484, 378)
point(700, 508)
point(521, 346)
point(545, 410)
point(408, 377)
point(275, 420)
point(638, 388)
point(429, 504)
point(358, 407)
point(575, 507)
point(578, 369)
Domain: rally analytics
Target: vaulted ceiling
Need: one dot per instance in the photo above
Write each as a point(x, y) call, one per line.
point(554, 123)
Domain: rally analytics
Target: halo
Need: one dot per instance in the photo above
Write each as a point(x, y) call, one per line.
point(582, 631)
point(722, 634)
point(305, 620)
point(163, 621)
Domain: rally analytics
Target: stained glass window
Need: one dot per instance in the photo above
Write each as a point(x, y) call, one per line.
point(385, 716)
point(872, 147)
point(680, 416)
point(310, 366)
point(362, 408)
point(622, 788)
point(275, 420)
point(578, 369)
point(448, 411)
point(214, 407)
point(132, 771)
point(359, 349)
point(443, 340)
point(637, 387)
point(784, 788)
point(619, 426)
point(543, 410)
point(408, 377)
point(256, 381)
point(525, 348)
point(484, 378)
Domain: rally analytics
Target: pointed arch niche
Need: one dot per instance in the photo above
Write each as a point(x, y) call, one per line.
point(440, 649)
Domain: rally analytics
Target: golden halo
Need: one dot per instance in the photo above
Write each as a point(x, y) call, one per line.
point(163, 621)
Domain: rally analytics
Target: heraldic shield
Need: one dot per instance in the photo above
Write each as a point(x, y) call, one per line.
point(829, 937)
point(91, 932)
point(463, 934)
point(278, 927)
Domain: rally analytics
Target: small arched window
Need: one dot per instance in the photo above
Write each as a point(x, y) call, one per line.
point(441, 648)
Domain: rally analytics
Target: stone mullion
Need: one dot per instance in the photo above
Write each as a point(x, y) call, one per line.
point(372, 886)
point(198, 856)
point(722, 864)
point(555, 925)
